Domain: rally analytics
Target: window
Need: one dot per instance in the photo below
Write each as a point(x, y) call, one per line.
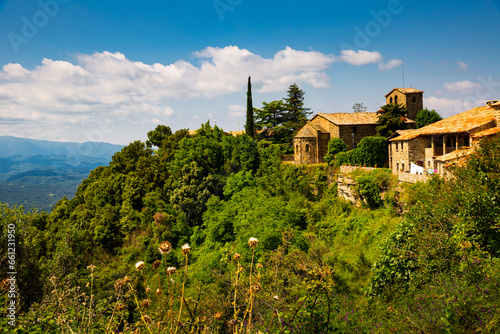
point(354, 129)
point(396, 146)
point(428, 164)
point(414, 99)
point(397, 166)
point(307, 147)
point(391, 99)
point(296, 148)
point(403, 167)
point(396, 99)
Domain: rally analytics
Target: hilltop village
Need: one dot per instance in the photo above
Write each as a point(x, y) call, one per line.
point(430, 149)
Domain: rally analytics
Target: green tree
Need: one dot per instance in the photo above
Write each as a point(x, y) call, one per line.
point(249, 125)
point(392, 117)
point(296, 113)
point(335, 145)
point(358, 107)
point(270, 115)
point(426, 117)
point(156, 136)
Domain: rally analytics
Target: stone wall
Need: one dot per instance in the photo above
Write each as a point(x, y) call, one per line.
point(305, 150)
point(360, 131)
point(413, 101)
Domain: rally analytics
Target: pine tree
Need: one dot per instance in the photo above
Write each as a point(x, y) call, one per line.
point(296, 115)
point(249, 126)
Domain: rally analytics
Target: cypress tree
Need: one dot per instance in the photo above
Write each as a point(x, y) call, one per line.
point(249, 126)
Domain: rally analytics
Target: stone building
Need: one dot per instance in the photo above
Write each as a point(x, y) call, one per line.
point(412, 98)
point(311, 141)
point(436, 146)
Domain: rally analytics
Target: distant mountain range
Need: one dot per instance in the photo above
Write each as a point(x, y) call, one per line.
point(37, 173)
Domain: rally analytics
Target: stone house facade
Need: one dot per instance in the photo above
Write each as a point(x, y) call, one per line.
point(436, 146)
point(412, 98)
point(311, 141)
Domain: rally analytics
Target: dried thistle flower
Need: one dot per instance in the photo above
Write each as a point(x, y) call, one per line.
point(252, 242)
point(186, 249)
point(119, 284)
point(147, 318)
point(5, 285)
point(158, 292)
point(139, 265)
point(165, 248)
point(91, 267)
point(126, 279)
point(148, 290)
point(156, 264)
point(171, 270)
point(255, 288)
point(145, 303)
point(236, 256)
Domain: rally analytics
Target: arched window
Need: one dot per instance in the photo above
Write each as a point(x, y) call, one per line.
point(396, 99)
point(307, 147)
point(414, 99)
point(296, 148)
point(391, 99)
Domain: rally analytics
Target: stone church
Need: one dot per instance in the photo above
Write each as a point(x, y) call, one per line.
point(311, 141)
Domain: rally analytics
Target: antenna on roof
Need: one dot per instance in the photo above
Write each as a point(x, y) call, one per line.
point(403, 70)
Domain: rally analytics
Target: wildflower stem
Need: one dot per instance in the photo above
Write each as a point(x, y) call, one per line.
point(139, 308)
point(183, 287)
point(251, 293)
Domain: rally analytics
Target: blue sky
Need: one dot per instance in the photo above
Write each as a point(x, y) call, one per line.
point(112, 70)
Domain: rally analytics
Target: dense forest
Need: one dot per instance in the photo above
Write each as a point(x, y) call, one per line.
point(209, 233)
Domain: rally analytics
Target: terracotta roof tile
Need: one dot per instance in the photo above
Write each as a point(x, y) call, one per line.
point(486, 133)
point(457, 154)
point(351, 118)
point(405, 91)
point(460, 123)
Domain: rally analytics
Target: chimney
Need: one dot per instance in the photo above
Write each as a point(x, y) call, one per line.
point(495, 104)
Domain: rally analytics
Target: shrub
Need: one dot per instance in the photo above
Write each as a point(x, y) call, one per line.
point(335, 145)
point(371, 152)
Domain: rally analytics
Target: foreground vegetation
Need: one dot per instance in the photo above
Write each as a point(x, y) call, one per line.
point(213, 234)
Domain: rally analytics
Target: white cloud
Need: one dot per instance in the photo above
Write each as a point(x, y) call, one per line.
point(461, 66)
point(108, 85)
point(462, 87)
point(236, 110)
point(448, 107)
point(362, 57)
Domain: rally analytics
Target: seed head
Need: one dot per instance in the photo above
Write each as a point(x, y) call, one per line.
point(171, 270)
point(147, 318)
point(119, 284)
point(145, 303)
point(165, 248)
point(126, 279)
point(158, 292)
point(252, 242)
point(139, 265)
point(236, 256)
point(156, 264)
point(186, 249)
point(148, 290)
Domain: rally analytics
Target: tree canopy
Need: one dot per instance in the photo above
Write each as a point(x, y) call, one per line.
point(392, 117)
point(426, 117)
